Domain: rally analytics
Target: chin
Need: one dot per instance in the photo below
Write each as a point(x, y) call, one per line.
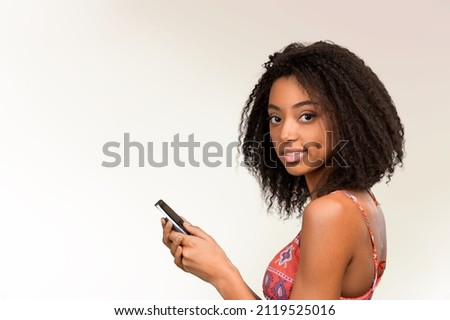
point(297, 169)
point(300, 169)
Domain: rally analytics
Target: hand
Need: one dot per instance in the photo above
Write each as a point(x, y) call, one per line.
point(198, 254)
point(172, 245)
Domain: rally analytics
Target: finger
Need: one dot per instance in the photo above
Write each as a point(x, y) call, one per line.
point(166, 231)
point(175, 244)
point(175, 234)
point(168, 225)
point(195, 231)
point(178, 258)
point(185, 220)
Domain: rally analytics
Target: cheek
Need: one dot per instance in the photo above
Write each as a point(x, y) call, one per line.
point(317, 141)
point(274, 137)
point(316, 153)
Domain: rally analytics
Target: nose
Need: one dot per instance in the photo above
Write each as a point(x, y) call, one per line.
point(289, 131)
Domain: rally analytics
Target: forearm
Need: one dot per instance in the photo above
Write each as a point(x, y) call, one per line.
point(233, 287)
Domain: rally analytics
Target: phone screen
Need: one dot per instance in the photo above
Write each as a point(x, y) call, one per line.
point(172, 216)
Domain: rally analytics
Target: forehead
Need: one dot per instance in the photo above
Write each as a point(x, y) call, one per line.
point(287, 90)
point(288, 93)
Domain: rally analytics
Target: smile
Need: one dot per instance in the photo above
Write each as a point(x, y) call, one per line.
point(293, 155)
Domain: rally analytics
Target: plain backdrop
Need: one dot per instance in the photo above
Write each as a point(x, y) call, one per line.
point(75, 75)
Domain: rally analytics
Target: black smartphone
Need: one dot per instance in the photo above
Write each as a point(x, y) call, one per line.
point(172, 216)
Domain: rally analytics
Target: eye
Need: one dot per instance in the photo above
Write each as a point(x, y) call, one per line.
point(274, 119)
point(307, 117)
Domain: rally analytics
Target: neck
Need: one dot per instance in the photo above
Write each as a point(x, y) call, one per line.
point(313, 180)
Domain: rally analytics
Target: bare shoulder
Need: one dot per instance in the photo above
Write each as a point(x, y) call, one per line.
point(327, 246)
point(329, 208)
point(333, 215)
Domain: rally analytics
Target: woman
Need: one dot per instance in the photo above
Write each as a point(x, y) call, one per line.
point(318, 131)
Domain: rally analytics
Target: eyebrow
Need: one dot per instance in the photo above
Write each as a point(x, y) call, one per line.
point(295, 106)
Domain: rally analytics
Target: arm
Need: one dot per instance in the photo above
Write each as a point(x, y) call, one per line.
point(326, 248)
point(201, 256)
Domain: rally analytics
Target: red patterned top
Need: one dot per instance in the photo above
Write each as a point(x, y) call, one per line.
point(280, 274)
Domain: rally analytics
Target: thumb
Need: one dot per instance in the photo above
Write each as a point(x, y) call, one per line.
point(195, 231)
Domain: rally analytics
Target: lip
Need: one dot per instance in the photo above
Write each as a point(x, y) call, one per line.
point(290, 155)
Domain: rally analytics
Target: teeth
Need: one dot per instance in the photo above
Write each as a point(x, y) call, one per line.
point(293, 156)
point(293, 153)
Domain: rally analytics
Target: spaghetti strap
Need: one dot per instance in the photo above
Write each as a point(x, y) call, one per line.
point(373, 198)
point(280, 274)
point(363, 212)
point(377, 264)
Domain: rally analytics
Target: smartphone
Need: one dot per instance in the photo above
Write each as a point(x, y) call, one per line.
point(172, 216)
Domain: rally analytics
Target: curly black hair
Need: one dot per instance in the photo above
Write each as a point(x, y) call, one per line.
point(356, 102)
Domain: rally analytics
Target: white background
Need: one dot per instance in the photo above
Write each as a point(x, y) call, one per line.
point(77, 74)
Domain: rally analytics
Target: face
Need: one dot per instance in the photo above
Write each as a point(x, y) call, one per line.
point(297, 128)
